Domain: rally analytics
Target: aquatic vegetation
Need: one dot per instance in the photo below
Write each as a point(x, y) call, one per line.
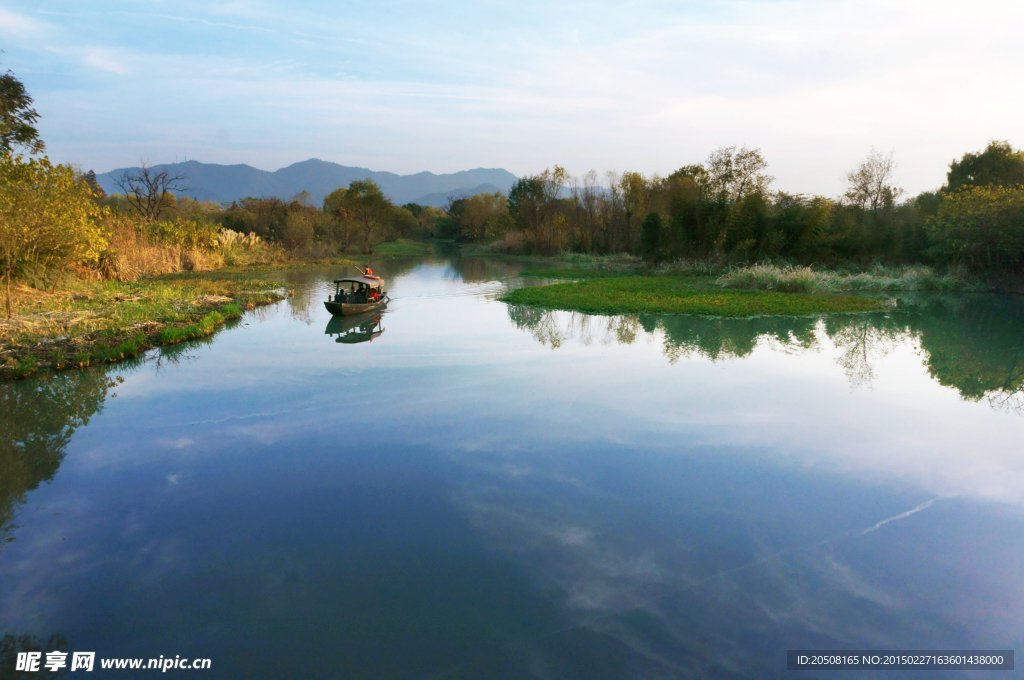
point(231, 311)
point(127, 347)
point(571, 273)
point(26, 367)
point(175, 334)
point(680, 295)
point(790, 279)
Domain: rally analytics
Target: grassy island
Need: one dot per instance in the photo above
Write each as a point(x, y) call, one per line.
point(680, 295)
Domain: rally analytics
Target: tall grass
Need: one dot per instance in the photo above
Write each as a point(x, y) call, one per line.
point(791, 279)
point(133, 254)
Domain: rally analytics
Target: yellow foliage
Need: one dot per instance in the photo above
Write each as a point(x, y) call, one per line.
point(46, 214)
point(188, 234)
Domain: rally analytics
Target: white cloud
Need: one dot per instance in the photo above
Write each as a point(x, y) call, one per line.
point(640, 87)
point(105, 60)
point(20, 28)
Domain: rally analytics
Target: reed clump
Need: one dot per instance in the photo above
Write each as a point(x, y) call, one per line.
point(803, 279)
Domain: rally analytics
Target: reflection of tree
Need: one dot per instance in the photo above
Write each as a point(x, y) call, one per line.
point(11, 645)
point(683, 335)
point(480, 270)
point(864, 340)
point(38, 418)
point(727, 338)
point(543, 326)
point(976, 344)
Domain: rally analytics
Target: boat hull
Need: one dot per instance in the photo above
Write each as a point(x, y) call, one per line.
point(348, 309)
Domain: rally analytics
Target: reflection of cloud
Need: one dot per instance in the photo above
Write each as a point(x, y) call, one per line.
point(179, 443)
point(681, 579)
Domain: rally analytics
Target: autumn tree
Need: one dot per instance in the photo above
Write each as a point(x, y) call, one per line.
point(45, 214)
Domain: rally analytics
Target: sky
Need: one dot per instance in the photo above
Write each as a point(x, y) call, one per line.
point(523, 85)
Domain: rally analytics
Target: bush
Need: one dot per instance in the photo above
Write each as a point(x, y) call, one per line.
point(981, 228)
point(298, 229)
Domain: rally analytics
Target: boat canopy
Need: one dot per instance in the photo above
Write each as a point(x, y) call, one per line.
point(372, 283)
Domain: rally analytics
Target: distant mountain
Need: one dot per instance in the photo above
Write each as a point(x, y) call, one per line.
point(440, 199)
point(225, 183)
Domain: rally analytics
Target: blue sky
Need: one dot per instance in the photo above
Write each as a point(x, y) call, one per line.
point(411, 86)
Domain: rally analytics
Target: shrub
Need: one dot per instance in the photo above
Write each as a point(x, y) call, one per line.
point(981, 227)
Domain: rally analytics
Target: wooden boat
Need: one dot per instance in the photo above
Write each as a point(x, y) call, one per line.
point(357, 295)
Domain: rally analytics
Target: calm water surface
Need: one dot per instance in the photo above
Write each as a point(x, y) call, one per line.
point(482, 491)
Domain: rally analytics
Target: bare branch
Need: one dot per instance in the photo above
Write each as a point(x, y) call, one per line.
point(149, 192)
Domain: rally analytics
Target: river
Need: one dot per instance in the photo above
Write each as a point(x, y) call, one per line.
point(460, 489)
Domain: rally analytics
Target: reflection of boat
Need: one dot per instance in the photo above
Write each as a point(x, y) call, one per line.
point(353, 329)
point(357, 295)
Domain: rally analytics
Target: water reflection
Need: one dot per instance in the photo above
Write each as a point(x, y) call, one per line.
point(355, 329)
point(39, 418)
point(523, 512)
point(11, 645)
point(974, 344)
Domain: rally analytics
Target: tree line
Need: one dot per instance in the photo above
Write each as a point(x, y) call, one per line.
point(56, 217)
point(725, 207)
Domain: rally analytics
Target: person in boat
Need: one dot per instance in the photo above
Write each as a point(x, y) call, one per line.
point(368, 273)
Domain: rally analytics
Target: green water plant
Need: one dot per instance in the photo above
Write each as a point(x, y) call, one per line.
point(26, 366)
point(680, 295)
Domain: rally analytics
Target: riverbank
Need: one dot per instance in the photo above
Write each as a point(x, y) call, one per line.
point(85, 323)
point(617, 294)
point(94, 322)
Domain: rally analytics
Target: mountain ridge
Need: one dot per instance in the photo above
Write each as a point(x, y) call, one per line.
point(226, 183)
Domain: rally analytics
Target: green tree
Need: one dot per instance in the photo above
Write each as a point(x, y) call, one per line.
point(982, 227)
point(999, 164)
point(17, 118)
point(366, 206)
point(334, 201)
point(651, 238)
